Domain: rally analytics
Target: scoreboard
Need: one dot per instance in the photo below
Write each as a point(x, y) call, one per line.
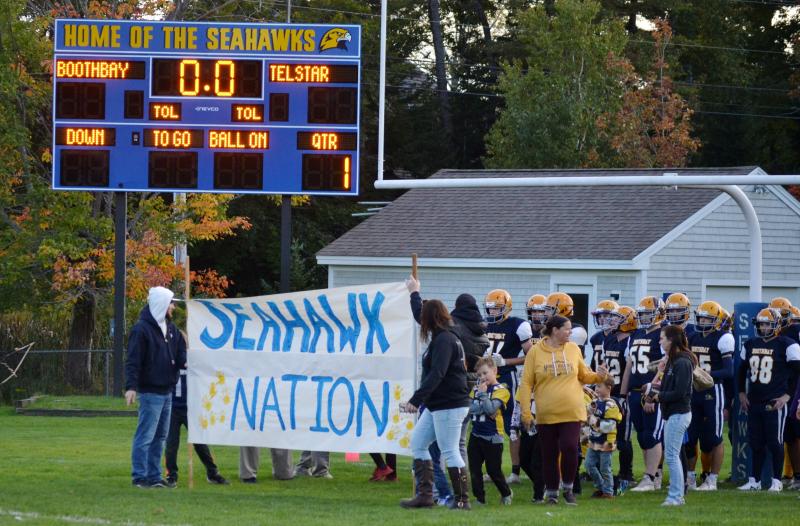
point(206, 107)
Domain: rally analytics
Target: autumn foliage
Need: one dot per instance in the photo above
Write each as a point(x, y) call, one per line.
point(653, 126)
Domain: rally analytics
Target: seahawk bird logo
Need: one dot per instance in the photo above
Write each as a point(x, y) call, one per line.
point(336, 38)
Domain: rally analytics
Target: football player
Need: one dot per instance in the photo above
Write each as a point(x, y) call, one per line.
point(768, 362)
point(713, 348)
point(509, 341)
point(537, 315)
point(624, 323)
point(561, 303)
point(678, 312)
point(603, 322)
point(645, 416)
point(791, 435)
point(784, 306)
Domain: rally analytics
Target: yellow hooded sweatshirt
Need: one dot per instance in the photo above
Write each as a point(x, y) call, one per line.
point(555, 376)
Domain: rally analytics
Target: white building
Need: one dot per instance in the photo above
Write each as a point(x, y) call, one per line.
point(592, 242)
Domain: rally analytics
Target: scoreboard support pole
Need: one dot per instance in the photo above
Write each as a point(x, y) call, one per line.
point(120, 235)
point(286, 242)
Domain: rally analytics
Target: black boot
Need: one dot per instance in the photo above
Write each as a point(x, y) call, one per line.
point(458, 478)
point(423, 473)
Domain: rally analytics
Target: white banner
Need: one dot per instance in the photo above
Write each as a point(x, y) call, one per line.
point(322, 370)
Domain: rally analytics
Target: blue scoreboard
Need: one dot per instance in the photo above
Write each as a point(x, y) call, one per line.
point(149, 106)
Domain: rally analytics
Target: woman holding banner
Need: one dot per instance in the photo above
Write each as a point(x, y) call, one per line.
point(444, 393)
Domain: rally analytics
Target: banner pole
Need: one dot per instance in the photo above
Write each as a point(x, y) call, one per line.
point(186, 290)
point(415, 344)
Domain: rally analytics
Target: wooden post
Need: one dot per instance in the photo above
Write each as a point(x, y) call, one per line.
point(414, 275)
point(186, 292)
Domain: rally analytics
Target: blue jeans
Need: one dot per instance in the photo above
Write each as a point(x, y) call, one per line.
point(674, 430)
point(443, 426)
point(598, 464)
point(441, 485)
point(150, 436)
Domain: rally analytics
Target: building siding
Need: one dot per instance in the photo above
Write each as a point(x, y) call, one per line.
point(717, 250)
point(447, 283)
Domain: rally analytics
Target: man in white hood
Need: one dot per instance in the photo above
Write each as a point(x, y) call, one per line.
point(156, 353)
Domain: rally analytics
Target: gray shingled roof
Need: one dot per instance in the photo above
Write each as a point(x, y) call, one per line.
point(613, 223)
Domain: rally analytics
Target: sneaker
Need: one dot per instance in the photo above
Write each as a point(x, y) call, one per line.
point(445, 501)
point(251, 480)
point(607, 496)
point(171, 482)
point(512, 479)
point(506, 501)
point(486, 477)
point(139, 483)
point(691, 480)
point(569, 498)
point(300, 471)
point(708, 485)
point(534, 500)
point(325, 475)
point(795, 485)
point(551, 501)
point(597, 494)
point(776, 487)
point(673, 502)
point(161, 483)
point(623, 486)
point(479, 503)
point(646, 484)
point(751, 485)
point(380, 474)
point(216, 478)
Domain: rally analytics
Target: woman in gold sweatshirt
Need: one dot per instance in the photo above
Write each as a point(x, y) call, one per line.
point(554, 373)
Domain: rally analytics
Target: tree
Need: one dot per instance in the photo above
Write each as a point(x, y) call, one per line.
point(653, 126)
point(554, 97)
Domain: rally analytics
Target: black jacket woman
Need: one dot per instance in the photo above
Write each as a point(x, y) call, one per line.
point(675, 397)
point(444, 393)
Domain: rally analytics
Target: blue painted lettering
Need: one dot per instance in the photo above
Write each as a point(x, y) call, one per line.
point(345, 382)
point(364, 399)
point(239, 341)
point(270, 393)
point(294, 378)
point(319, 325)
point(267, 323)
point(347, 334)
point(250, 415)
point(227, 327)
point(373, 315)
point(321, 381)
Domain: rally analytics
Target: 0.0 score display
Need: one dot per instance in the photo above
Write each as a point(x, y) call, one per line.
point(206, 78)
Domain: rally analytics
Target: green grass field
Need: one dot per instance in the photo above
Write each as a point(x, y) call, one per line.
point(77, 471)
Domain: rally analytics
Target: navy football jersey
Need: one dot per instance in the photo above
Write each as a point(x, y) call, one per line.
point(710, 348)
point(644, 348)
point(690, 329)
point(596, 343)
point(506, 338)
point(490, 425)
point(766, 367)
point(614, 357)
point(792, 332)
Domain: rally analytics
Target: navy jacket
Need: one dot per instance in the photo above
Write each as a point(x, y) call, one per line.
point(154, 360)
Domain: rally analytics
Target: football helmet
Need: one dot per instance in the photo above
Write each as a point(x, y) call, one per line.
point(708, 316)
point(624, 319)
point(794, 318)
point(767, 322)
point(727, 321)
point(537, 311)
point(677, 308)
point(784, 306)
point(559, 303)
point(602, 314)
point(498, 305)
point(650, 312)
